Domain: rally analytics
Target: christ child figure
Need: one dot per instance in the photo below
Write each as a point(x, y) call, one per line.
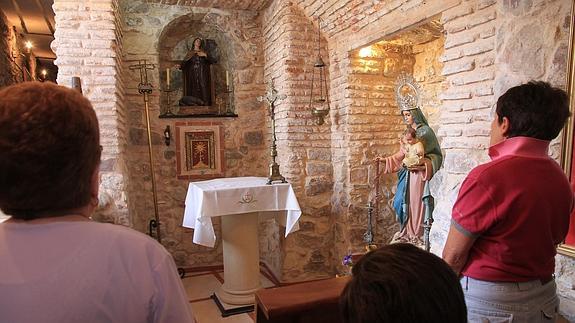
point(413, 148)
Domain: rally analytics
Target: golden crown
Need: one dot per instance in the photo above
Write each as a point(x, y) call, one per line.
point(407, 92)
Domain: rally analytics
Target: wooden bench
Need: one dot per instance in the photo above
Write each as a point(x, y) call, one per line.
point(309, 302)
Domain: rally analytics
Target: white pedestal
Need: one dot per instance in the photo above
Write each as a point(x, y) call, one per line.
point(241, 258)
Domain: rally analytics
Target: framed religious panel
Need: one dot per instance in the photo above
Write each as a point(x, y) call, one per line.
point(567, 151)
point(199, 150)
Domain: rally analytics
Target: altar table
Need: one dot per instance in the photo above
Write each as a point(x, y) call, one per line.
point(241, 202)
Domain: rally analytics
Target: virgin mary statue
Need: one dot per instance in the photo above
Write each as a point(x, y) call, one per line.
point(413, 202)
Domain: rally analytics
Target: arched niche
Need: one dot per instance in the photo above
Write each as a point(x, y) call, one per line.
point(175, 42)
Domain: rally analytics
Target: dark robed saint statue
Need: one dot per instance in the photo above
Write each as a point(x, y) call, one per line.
point(197, 76)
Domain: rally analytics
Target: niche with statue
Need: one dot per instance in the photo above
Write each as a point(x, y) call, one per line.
point(195, 76)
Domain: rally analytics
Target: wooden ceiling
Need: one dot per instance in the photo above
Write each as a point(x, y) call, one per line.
point(34, 20)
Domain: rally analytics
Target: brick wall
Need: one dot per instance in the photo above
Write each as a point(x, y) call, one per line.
point(348, 26)
point(373, 128)
point(290, 50)
point(88, 44)
point(485, 47)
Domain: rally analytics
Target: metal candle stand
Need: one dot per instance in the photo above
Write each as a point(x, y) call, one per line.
point(271, 97)
point(230, 104)
point(145, 88)
point(168, 112)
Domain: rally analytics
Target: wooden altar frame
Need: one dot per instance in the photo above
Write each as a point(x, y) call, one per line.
point(199, 150)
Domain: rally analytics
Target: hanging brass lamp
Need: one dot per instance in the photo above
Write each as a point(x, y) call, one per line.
point(319, 100)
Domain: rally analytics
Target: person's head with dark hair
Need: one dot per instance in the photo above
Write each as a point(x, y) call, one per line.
point(402, 283)
point(49, 151)
point(535, 109)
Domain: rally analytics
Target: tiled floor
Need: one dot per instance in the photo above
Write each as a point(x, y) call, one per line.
point(200, 286)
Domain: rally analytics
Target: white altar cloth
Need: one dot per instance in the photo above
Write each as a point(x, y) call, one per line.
point(236, 195)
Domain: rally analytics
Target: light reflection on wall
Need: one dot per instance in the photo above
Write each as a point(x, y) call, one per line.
point(366, 52)
point(366, 62)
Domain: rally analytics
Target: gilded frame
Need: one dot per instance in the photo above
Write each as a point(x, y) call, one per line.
point(566, 158)
point(199, 150)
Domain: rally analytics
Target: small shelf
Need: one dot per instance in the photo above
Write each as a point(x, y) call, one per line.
point(194, 116)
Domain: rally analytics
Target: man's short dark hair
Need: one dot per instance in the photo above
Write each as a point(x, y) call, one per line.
point(49, 149)
point(535, 109)
point(402, 283)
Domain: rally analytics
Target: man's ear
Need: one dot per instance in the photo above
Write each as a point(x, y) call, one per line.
point(95, 182)
point(505, 126)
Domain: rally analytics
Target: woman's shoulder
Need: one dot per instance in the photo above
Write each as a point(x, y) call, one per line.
point(123, 230)
point(123, 235)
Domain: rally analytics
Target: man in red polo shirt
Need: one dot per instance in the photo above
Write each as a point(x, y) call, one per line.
point(513, 211)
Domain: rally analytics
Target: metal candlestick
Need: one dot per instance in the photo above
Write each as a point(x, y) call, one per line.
point(271, 97)
point(377, 186)
point(230, 104)
point(168, 112)
point(368, 235)
point(427, 222)
point(145, 88)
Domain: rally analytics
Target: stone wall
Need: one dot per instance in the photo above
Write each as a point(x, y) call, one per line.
point(149, 33)
point(17, 64)
point(87, 44)
point(7, 75)
point(489, 47)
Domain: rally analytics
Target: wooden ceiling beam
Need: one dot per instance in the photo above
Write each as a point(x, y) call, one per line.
point(46, 15)
point(20, 17)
